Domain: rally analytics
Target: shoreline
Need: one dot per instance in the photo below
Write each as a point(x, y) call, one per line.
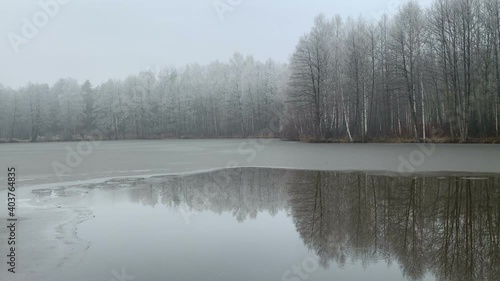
point(328, 141)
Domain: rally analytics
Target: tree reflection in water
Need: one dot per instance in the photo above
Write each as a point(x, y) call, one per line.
point(448, 226)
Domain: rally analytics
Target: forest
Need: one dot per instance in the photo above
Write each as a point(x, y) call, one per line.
point(422, 74)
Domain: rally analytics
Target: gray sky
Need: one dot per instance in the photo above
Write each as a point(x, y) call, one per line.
point(102, 39)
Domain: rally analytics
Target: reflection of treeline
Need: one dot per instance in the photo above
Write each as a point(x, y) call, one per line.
point(447, 226)
point(243, 192)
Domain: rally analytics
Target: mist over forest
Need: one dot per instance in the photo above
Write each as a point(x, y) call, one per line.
point(418, 75)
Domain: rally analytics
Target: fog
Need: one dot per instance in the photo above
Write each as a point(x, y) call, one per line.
point(99, 40)
point(250, 140)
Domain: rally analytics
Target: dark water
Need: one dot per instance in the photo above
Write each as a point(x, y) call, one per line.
point(267, 224)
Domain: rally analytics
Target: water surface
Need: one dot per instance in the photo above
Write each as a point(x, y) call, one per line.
point(270, 224)
point(113, 159)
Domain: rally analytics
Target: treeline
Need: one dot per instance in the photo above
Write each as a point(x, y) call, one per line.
point(236, 99)
point(421, 74)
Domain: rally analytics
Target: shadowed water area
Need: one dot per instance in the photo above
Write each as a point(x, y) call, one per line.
point(271, 224)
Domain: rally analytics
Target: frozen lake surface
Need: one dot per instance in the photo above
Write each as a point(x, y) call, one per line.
point(36, 162)
point(108, 217)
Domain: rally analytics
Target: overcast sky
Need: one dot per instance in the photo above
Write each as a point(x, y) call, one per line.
point(102, 39)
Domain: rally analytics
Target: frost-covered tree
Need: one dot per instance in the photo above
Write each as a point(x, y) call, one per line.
point(419, 74)
point(71, 107)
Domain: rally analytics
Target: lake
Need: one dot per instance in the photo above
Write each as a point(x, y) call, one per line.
point(204, 221)
point(83, 161)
